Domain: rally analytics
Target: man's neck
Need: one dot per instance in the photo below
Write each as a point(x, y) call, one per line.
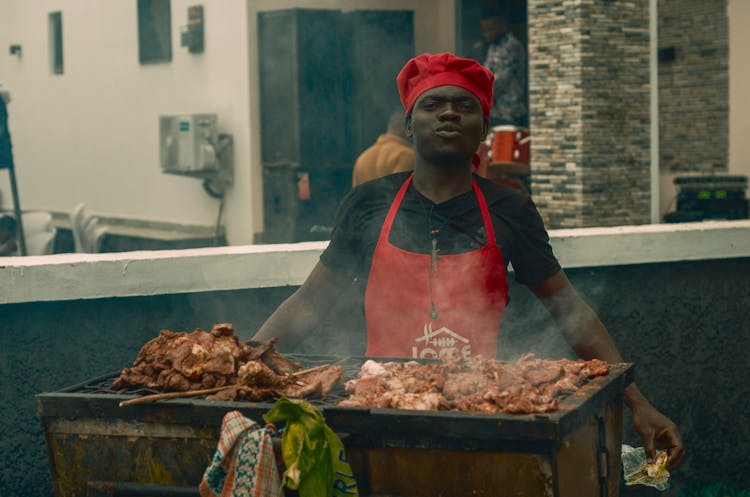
point(440, 184)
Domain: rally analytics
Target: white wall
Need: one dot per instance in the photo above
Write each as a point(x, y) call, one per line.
point(91, 134)
point(739, 87)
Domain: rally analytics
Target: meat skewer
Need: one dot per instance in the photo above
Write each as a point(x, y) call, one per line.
point(171, 395)
point(310, 370)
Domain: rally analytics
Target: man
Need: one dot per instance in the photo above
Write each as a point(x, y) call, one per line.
point(8, 225)
point(506, 59)
point(391, 153)
point(432, 247)
point(6, 155)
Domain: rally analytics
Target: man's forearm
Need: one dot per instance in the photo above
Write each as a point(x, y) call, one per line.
point(582, 328)
point(633, 397)
point(589, 338)
point(290, 322)
point(304, 310)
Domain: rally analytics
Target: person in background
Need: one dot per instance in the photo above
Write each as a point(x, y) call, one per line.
point(6, 156)
point(391, 153)
point(4, 94)
point(8, 224)
point(506, 59)
point(431, 248)
point(8, 229)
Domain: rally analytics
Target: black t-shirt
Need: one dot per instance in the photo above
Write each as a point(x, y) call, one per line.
point(519, 229)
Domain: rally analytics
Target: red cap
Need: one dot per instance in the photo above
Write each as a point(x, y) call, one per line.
point(428, 71)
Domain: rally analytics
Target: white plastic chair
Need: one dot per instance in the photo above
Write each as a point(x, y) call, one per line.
point(41, 243)
point(94, 235)
point(37, 222)
point(76, 225)
point(39, 232)
point(87, 233)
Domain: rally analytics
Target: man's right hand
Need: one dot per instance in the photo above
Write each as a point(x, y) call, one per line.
point(657, 429)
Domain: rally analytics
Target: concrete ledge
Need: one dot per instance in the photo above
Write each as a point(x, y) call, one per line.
point(86, 276)
point(623, 245)
point(126, 274)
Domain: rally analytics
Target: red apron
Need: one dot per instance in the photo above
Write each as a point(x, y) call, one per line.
point(469, 291)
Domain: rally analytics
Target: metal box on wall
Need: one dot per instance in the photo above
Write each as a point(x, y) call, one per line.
point(301, 80)
point(186, 144)
point(191, 145)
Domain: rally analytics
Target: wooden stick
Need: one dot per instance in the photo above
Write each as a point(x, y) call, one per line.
point(310, 370)
point(172, 395)
point(192, 393)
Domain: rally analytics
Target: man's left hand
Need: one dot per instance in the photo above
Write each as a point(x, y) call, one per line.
point(655, 428)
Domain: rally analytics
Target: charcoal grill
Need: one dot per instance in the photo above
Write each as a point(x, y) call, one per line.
point(94, 446)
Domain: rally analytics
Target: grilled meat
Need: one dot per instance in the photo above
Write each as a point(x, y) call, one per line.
point(253, 370)
point(187, 361)
point(257, 374)
point(530, 385)
point(274, 359)
point(256, 381)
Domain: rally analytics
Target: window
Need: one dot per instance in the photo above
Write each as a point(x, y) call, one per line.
point(154, 31)
point(56, 42)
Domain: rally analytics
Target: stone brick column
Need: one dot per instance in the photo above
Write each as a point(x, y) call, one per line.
point(589, 111)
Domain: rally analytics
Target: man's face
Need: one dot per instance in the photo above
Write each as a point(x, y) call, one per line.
point(491, 28)
point(447, 125)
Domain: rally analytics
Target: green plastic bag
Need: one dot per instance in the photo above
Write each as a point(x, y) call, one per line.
point(314, 456)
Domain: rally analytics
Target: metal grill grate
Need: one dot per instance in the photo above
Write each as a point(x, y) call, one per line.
point(350, 368)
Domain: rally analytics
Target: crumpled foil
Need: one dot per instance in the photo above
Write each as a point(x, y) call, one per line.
point(638, 472)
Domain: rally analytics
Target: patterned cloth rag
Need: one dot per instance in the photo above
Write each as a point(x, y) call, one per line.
point(244, 464)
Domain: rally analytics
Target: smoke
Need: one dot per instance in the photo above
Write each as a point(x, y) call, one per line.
point(528, 327)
